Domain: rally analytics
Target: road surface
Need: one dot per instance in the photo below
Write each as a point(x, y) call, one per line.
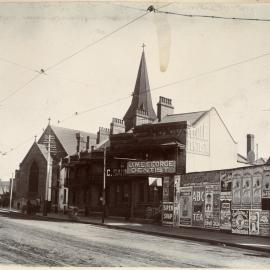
point(46, 243)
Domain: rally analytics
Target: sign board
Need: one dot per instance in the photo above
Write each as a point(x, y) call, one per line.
point(216, 207)
point(225, 215)
point(246, 189)
point(198, 194)
point(208, 210)
point(264, 223)
point(151, 167)
point(240, 221)
point(166, 189)
point(185, 206)
point(167, 213)
point(254, 222)
point(155, 181)
point(257, 190)
point(236, 189)
point(266, 185)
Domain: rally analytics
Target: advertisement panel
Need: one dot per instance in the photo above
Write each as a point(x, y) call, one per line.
point(236, 189)
point(240, 221)
point(193, 179)
point(264, 223)
point(166, 188)
point(176, 209)
point(186, 206)
point(216, 206)
point(254, 222)
point(198, 206)
point(226, 181)
point(225, 215)
point(266, 184)
point(246, 189)
point(257, 189)
point(208, 210)
point(167, 213)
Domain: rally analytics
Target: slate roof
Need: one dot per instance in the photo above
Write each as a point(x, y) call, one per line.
point(43, 150)
point(67, 138)
point(191, 117)
point(141, 97)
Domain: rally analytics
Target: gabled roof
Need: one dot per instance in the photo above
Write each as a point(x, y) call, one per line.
point(43, 150)
point(141, 97)
point(67, 138)
point(191, 117)
point(241, 159)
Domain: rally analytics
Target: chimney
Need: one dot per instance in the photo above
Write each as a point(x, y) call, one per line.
point(164, 107)
point(117, 126)
point(102, 134)
point(250, 148)
point(79, 140)
point(87, 143)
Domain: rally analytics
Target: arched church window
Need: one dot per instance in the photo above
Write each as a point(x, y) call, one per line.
point(33, 178)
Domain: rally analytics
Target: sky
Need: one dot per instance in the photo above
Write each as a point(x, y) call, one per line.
point(188, 50)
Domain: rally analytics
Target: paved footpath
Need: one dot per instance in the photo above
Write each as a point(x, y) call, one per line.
point(209, 236)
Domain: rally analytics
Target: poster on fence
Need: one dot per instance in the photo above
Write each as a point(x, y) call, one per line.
point(225, 215)
point(254, 222)
point(185, 206)
point(257, 189)
point(246, 189)
point(176, 214)
point(226, 181)
point(167, 213)
point(264, 223)
point(236, 189)
point(240, 221)
point(216, 206)
point(266, 185)
point(166, 188)
point(208, 210)
point(198, 206)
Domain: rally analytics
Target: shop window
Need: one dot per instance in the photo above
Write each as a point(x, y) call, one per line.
point(265, 204)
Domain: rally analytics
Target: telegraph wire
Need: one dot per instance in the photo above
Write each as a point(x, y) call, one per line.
point(16, 64)
point(211, 16)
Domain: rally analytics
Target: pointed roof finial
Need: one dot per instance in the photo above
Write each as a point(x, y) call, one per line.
point(35, 138)
point(49, 121)
point(143, 45)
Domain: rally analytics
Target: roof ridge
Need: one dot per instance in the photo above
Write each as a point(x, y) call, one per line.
point(72, 129)
point(188, 113)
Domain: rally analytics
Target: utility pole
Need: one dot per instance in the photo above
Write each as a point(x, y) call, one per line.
point(104, 185)
point(11, 192)
point(48, 184)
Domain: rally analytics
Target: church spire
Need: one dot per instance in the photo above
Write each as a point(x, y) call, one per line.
point(141, 107)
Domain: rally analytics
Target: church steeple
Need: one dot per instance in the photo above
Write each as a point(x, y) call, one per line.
point(141, 108)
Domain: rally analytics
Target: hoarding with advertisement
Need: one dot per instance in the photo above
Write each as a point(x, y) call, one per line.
point(246, 189)
point(166, 188)
point(240, 221)
point(225, 215)
point(167, 213)
point(216, 207)
point(264, 223)
point(208, 210)
point(254, 222)
point(198, 194)
point(266, 185)
point(185, 206)
point(236, 189)
point(257, 189)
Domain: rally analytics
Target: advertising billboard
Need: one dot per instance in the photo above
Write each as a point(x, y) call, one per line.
point(254, 222)
point(167, 213)
point(208, 209)
point(246, 189)
point(236, 189)
point(240, 221)
point(257, 189)
point(198, 206)
point(225, 215)
point(186, 206)
point(266, 185)
point(264, 223)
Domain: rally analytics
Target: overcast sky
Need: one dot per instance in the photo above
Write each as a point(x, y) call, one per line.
point(38, 35)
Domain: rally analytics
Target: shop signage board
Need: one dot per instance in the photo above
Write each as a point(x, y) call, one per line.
point(240, 221)
point(225, 215)
point(257, 189)
point(194, 179)
point(246, 189)
point(151, 167)
point(266, 185)
point(254, 222)
point(264, 223)
point(236, 189)
point(185, 206)
point(198, 195)
point(167, 213)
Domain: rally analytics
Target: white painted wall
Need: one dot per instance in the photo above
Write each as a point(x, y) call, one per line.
point(214, 147)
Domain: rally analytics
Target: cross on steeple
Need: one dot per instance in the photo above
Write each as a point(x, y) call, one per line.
point(143, 45)
point(35, 138)
point(49, 121)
